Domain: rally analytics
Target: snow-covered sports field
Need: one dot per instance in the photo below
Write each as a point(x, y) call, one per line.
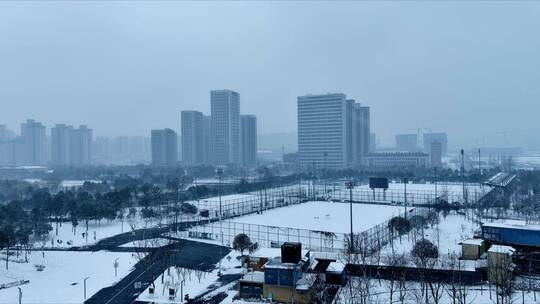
point(324, 216)
point(62, 279)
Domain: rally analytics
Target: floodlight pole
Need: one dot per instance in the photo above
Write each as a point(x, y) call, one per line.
point(350, 186)
point(405, 181)
point(220, 172)
point(85, 286)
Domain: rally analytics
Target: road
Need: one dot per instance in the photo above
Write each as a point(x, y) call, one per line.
point(184, 253)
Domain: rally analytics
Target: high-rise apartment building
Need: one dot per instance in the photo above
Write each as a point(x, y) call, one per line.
point(435, 154)
point(192, 131)
point(164, 147)
point(207, 139)
point(248, 140)
point(81, 146)
point(407, 142)
point(333, 131)
point(361, 133)
point(34, 139)
point(225, 127)
point(61, 135)
point(440, 137)
point(70, 146)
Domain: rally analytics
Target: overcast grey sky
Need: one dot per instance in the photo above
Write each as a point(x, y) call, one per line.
point(123, 68)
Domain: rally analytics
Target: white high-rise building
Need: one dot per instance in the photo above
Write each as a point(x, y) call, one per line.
point(440, 137)
point(435, 154)
point(60, 144)
point(207, 139)
point(192, 131)
point(248, 140)
point(81, 146)
point(225, 127)
point(164, 147)
point(407, 142)
point(33, 137)
point(333, 131)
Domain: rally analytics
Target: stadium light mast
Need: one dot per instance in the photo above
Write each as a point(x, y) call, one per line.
point(350, 185)
point(405, 181)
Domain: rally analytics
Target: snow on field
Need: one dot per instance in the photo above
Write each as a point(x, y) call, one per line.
point(96, 232)
point(416, 193)
point(148, 243)
point(62, 279)
point(195, 282)
point(478, 294)
point(447, 236)
point(323, 216)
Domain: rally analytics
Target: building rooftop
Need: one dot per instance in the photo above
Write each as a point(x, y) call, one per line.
point(476, 242)
point(521, 226)
point(501, 249)
point(253, 277)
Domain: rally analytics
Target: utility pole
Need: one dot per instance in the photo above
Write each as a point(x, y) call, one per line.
point(220, 172)
point(435, 180)
point(85, 286)
point(479, 164)
point(350, 185)
point(463, 175)
point(405, 181)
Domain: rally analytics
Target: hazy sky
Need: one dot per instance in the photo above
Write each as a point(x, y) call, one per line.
point(471, 69)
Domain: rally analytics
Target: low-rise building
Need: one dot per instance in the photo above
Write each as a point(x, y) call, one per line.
point(472, 249)
point(391, 160)
point(500, 266)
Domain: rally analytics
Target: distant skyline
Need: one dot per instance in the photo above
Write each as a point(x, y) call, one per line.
point(123, 68)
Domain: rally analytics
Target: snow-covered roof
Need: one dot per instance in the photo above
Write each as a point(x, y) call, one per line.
point(476, 242)
point(502, 249)
point(305, 282)
point(336, 267)
point(253, 277)
point(276, 263)
point(513, 225)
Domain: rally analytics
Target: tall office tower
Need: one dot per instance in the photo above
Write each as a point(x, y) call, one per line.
point(225, 113)
point(207, 139)
point(372, 142)
point(81, 146)
point(120, 150)
point(139, 149)
point(435, 154)
point(322, 131)
point(192, 137)
point(407, 142)
point(33, 136)
point(61, 135)
point(101, 151)
point(164, 147)
point(248, 140)
point(440, 137)
point(361, 133)
point(3, 133)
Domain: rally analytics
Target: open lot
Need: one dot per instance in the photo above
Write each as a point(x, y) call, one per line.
point(62, 279)
point(323, 216)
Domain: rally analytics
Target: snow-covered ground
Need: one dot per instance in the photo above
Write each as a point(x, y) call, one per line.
point(416, 193)
point(447, 236)
point(194, 282)
point(62, 279)
point(323, 216)
point(148, 243)
point(96, 232)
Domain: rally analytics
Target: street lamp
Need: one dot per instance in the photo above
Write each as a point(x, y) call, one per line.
point(405, 181)
point(350, 185)
point(85, 286)
point(20, 295)
point(116, 264)
point(220, 173)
